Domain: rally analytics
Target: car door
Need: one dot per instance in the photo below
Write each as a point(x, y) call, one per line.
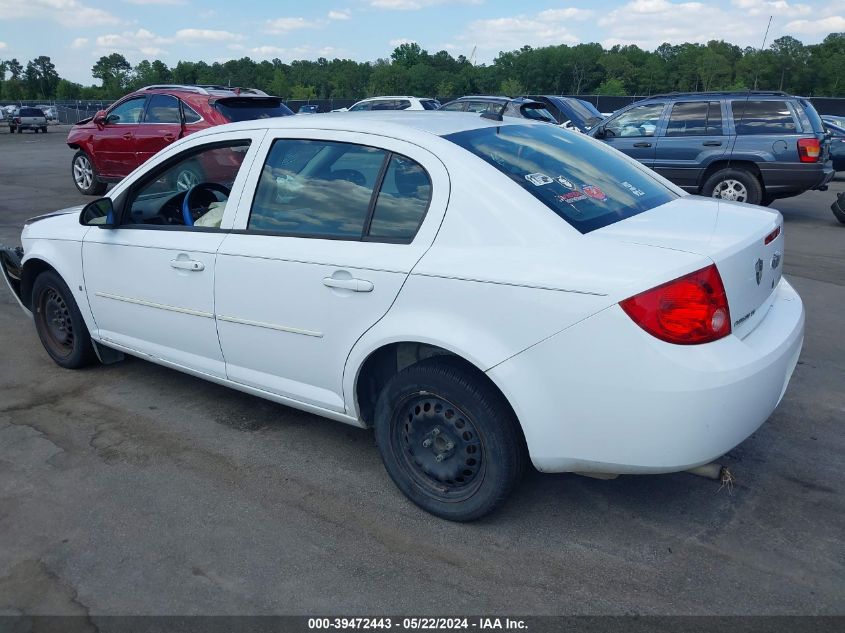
point(336, 224)
point(162, 124)
point(150, 281)
point(633, 131)
point(694, 137)
point(113, 143)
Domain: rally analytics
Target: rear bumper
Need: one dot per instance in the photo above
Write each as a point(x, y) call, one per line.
point(605, 396)
point(795, 178)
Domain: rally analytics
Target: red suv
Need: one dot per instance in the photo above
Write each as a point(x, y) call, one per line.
point(114, 142)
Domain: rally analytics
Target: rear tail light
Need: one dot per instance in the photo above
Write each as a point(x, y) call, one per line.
point(690, 310)
point(809, 150)
point(771, 237)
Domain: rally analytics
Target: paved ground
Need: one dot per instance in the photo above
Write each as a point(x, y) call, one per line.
point(135, 489)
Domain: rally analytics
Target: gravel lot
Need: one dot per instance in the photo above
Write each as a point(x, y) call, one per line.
point(134, 489)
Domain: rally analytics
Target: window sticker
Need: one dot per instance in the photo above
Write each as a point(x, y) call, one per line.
point(565, 183)
point(538, 179)
point(637, 192)
point(572, 197)
point(594, 192)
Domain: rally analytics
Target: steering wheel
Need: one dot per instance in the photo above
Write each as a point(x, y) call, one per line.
point(187, 216)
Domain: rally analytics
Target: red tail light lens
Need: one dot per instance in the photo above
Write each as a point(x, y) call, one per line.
point(690, 310)
point(809, 150)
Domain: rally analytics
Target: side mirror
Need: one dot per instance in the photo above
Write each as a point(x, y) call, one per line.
point(600, 132)
point(100, 117)
point(99, 213)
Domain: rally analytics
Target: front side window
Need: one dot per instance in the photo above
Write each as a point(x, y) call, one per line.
point(762, 117)
point(457, 106)
point(127, 112)
point(695, 118)
point(360, 107)
point(639, 121)
point(191, 190)
point(162, 109)
point(586, 183)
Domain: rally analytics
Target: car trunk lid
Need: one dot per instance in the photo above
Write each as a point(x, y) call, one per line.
point(745, 243)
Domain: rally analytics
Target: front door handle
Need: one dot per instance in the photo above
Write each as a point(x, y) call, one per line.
point(642, 144)
point(127, 136)
point(355, 285)
point(712, 143)
point(187, 264)
point(169, 138)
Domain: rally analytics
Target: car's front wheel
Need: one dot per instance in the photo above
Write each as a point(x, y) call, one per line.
point(85, 175)
point(734, 184)
point(59, 322)
point(449, 439)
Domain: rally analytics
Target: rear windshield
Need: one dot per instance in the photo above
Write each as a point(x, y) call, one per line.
point(585, 182)
point(249, 108)
point(31, 112)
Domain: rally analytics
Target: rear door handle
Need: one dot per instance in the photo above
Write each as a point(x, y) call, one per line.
point(712, 143)
point(127, 135)
point(187, 264)
point(355, 285)
point(642, 144)
point(169, 138)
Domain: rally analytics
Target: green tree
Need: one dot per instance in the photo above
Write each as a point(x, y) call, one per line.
point(303, 92)
point(113, 70)
point(611, 86)
point(511, 88)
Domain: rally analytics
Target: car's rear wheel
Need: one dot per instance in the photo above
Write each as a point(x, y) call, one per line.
point(44, 129)
point(737, 185)
point(59, 323)
point(85, 175)
point(448, 439)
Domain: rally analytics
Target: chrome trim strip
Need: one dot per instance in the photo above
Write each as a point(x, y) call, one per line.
point(271, 326)
point(160, 306)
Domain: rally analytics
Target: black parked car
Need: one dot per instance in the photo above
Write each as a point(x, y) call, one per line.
point(504, 106)
point(571, 113)
point(745, 146)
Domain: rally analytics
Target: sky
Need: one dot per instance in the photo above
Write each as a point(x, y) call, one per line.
point(75, 33)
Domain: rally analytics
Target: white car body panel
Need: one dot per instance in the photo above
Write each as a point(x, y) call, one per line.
point(493, 276)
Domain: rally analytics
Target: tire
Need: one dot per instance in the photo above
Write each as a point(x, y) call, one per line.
point(84, 175)
point(20, 130)
point(449, 440)
point(838, 211)
point(59, 323)
point(44, 130)
point(735, 184)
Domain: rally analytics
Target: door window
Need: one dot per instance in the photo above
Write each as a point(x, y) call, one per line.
point(457, 106)
point(162, 109)
point(763, 117)
point(202, 175)
point(639, 121)
point(695, 118)
point(127, 112)
point(325, 189)
point(191, 115)
point(359, 107)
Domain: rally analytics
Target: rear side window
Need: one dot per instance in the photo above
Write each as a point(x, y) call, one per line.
point(585, 182)
point(162, 109)
point(250, 108)
point(813, 116)
point(191, 115)
point(536, 113)
point(429, 104)
point(695, 118)
point(402, 200)
point(325, 189)
point(763, 117)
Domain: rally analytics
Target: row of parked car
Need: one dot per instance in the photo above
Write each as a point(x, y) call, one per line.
point(27, 118)
point(752, 147)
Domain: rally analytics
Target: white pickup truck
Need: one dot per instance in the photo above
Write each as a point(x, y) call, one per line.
point(28, 119)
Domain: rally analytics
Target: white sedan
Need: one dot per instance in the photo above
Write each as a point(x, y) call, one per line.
point(482, 292)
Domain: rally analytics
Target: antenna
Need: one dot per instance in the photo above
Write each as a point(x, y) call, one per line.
point(747, 97)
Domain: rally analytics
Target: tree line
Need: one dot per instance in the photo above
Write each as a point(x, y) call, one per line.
point(787, 64)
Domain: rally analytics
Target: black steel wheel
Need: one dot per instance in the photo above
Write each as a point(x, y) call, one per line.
point(448, 439)
point(59, 323)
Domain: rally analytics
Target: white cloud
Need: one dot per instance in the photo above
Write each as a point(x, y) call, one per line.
point(285, 25)
point(206, 35)
point(141, 42)
point(552, 26)
point(165, 2)
point(3, 46)
point(65, 12)
point(414, 5)
point(342, 14)
point(79, 42)
point(399, 41)
point(771, 7)
point(823, 26)
point(296, 52)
